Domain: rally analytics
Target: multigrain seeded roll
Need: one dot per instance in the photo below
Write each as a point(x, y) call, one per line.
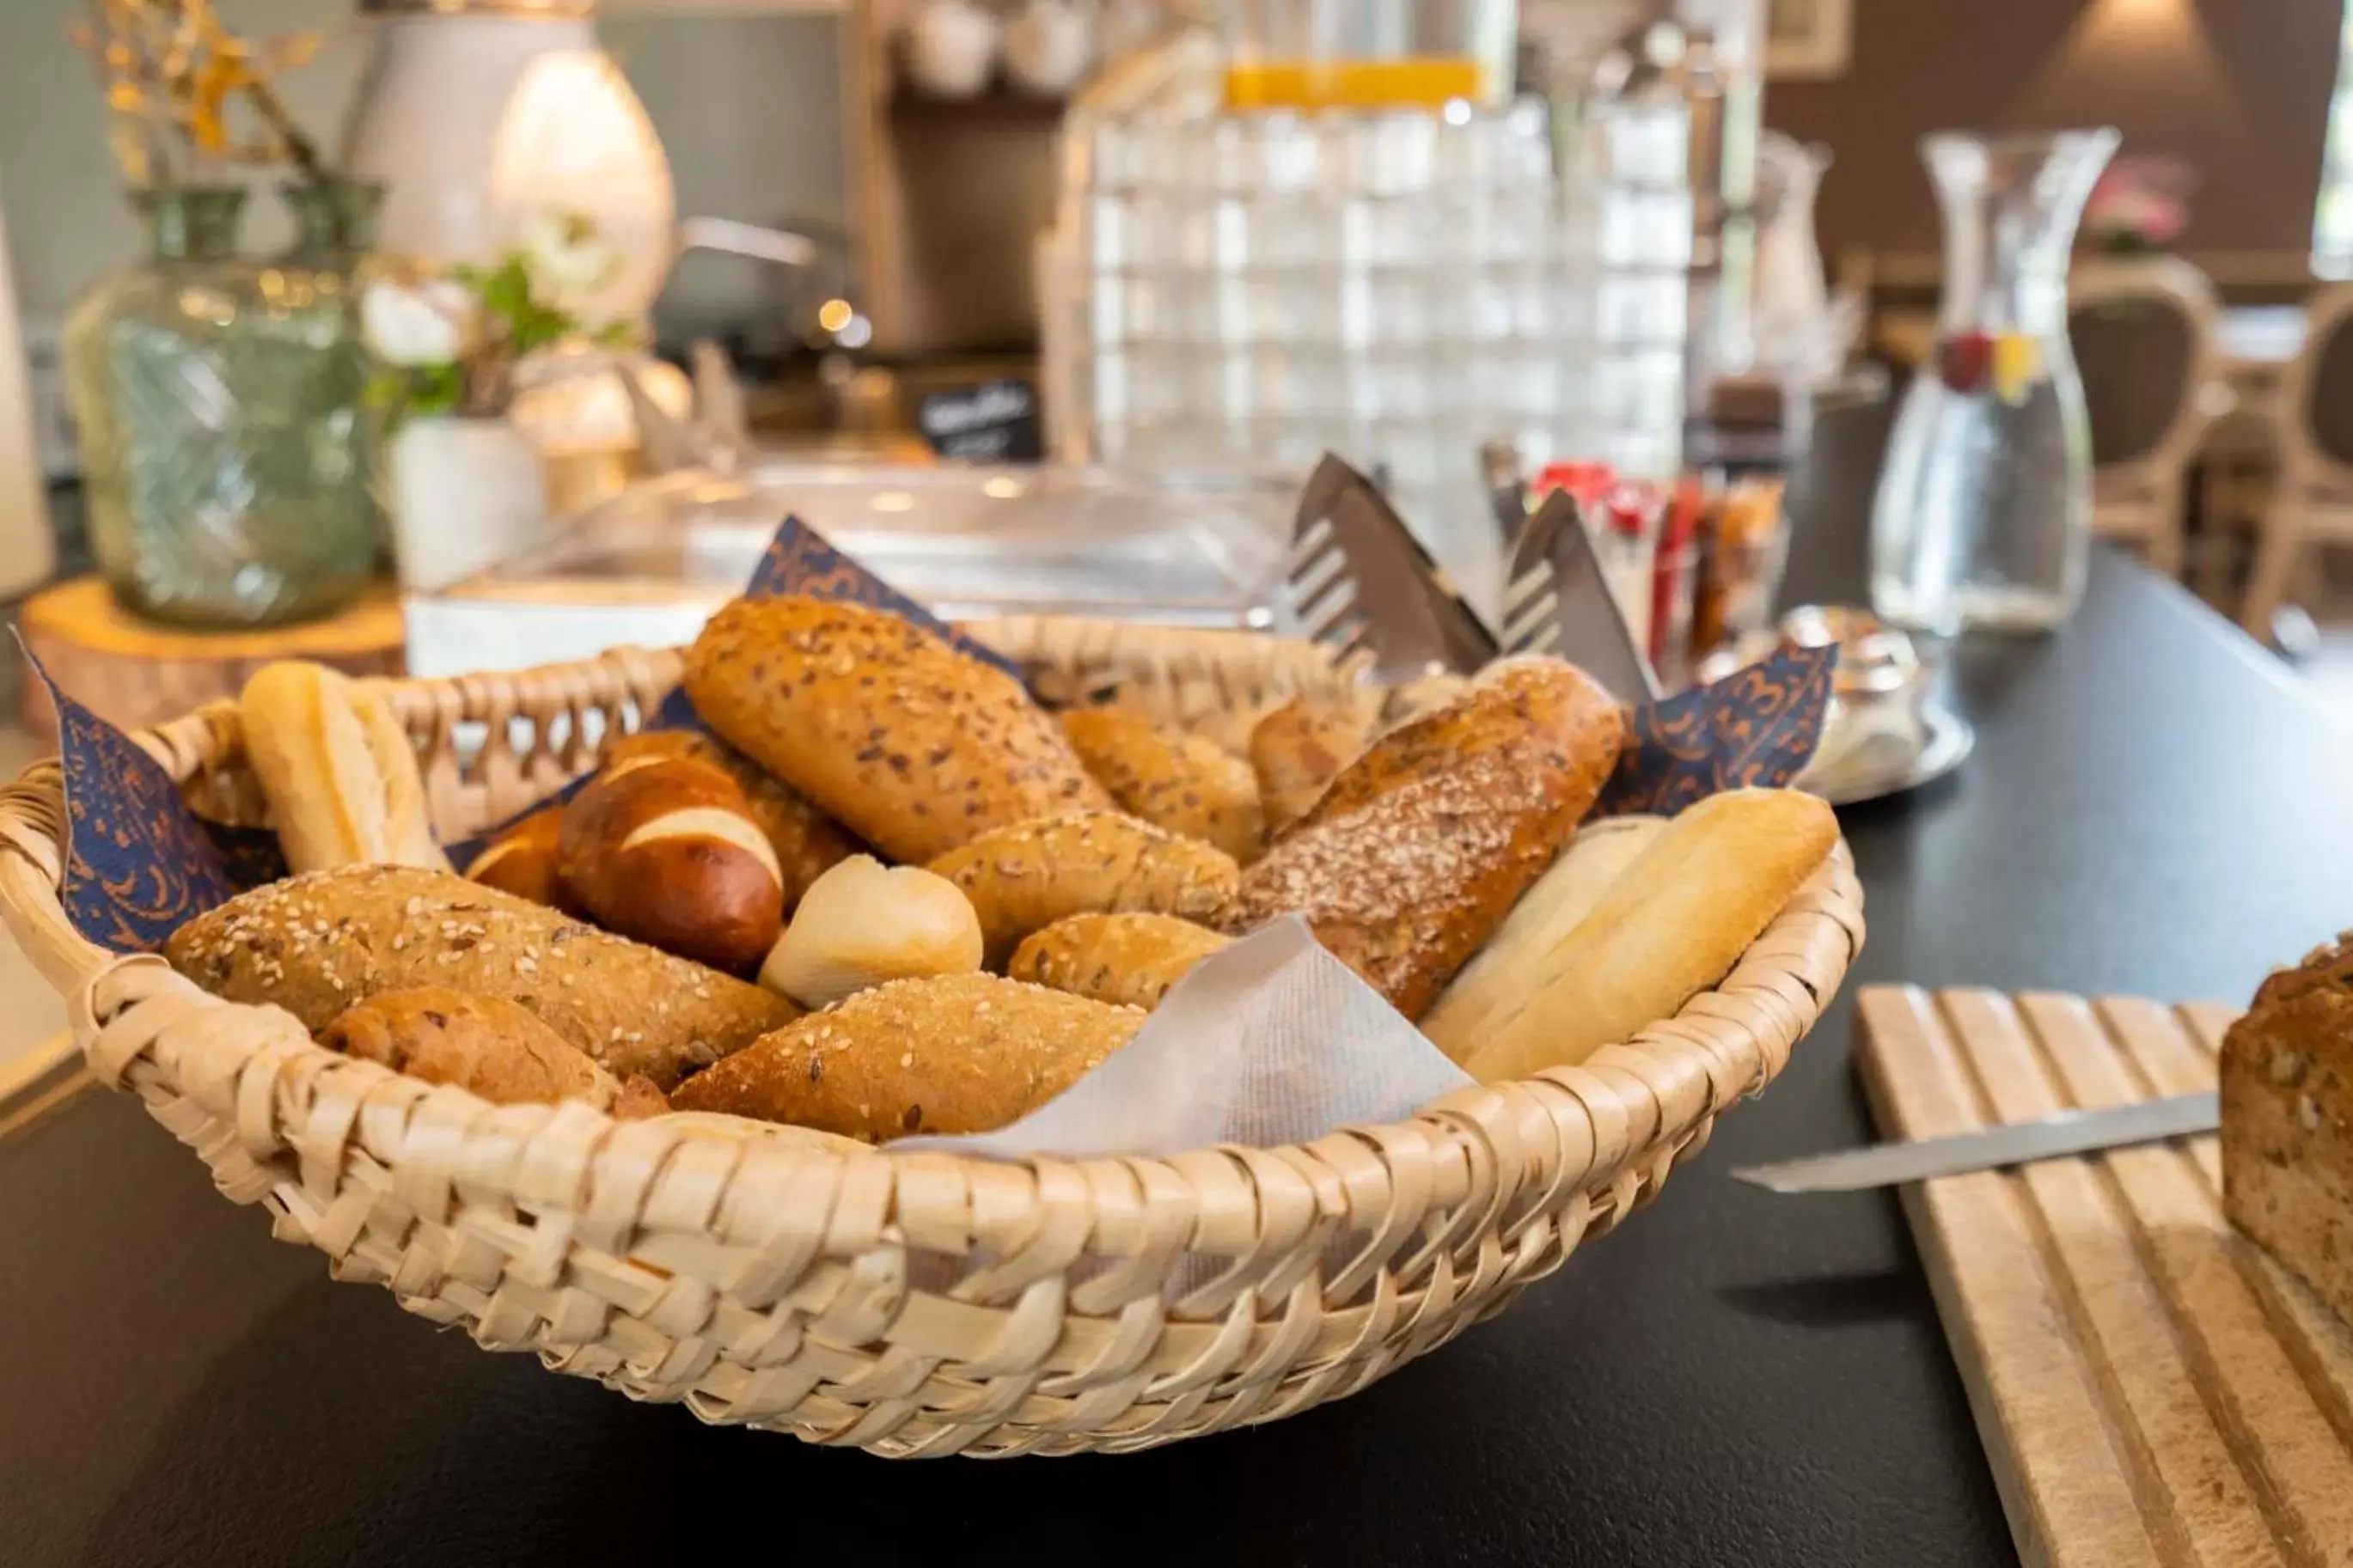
point(1025, 877)
point(487, 1045)
point(908, 742)
point(947, 1054)
point(1130, 960)
point(315, 944)
point(1186, 785)
point(1417, 852)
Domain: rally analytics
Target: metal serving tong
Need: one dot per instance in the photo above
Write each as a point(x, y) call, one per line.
point(1360, 581)
point(1556, 601)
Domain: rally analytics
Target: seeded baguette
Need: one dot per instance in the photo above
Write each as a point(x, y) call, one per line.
point(1295, 753)
point(318, 943)
point(908, 742)
point(1417, 852)
point(947, 1054)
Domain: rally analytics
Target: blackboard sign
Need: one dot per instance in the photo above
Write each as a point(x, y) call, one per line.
point(997, 422)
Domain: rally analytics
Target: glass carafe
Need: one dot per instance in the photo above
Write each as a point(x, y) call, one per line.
point(1983, 514)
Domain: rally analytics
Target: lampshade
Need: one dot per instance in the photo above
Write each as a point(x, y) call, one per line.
point(476, 121)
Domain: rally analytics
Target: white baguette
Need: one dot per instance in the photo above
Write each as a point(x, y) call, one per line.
point(1673, 923)
point(341, 782)
point(1504, 972)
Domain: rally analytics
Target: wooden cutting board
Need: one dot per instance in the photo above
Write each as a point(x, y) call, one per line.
point(2150, 1386)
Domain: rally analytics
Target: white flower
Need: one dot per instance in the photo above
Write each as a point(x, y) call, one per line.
point(418, 325)
point(566, 254)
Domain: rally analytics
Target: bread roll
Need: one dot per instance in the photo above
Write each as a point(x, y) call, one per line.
point(341, 778)
point(1545, 914)
point(1673, 923)
point(316, 944)
point(952, 1054)
point(1025, 878)
point(639, 1100)
point(806, 840)
point(913, 745)
point(1189, 785)
point(1296, 752)
point(484, 1044)
point(664, 849)
point(1127, 960)
point(864, 924)
point(1513, 704)
point(522, 859)
point(1405, 884)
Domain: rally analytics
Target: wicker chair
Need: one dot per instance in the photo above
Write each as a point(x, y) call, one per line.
point(2312, 502)
point(2142, 333)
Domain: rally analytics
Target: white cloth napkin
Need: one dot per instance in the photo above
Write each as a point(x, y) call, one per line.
point(1270, 1041)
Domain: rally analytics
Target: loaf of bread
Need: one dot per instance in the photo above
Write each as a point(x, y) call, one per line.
point(1673, 923)
point(522, 859)
point(1545, 914)
point(2287, 1121)
point(1514, 705)
point(1405, 884)
point(488, 1045)
point(1182, 783)
point(806, 840)
point(316, 944)
point(664, 849)
point(864, 924)
point(1025, 877)
point(1128, 959)
point(1297, 750)
point(954, 1054)
point(341, 778)
point(913, 745)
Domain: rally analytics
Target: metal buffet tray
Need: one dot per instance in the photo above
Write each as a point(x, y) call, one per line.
point(651, 565)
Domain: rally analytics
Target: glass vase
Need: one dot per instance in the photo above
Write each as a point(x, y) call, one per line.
point(226, 444)
point(1982, 519)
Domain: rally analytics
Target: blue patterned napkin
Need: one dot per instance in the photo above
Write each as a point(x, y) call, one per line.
point(1756, 728)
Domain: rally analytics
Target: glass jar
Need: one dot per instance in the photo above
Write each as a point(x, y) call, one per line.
point(1982, 519)
point(226, 447)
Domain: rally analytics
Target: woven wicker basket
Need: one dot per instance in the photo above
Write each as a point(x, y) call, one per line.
point(911, 1304)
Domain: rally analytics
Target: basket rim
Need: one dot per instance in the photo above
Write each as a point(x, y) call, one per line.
point(1629, 1106)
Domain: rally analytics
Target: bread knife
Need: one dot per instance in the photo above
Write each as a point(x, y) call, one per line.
point(2019, 1144)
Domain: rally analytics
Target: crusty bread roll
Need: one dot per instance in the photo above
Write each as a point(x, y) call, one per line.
point(315, 944)
point(863, 924)
point(1439, 840)
point(1025, 877)
point(1546, 912)
point(522, 859)
point(1128, 959)
point(485, 1044)
point(341, 778)
point(951, 1054)
point(1673, 923)
point(1182, 783)
point(1513, 704)
point(1297, 750)
point(914, 746)
point(806, 840)
point(664, 849)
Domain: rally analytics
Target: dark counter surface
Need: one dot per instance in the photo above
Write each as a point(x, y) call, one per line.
point(2155, 806)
